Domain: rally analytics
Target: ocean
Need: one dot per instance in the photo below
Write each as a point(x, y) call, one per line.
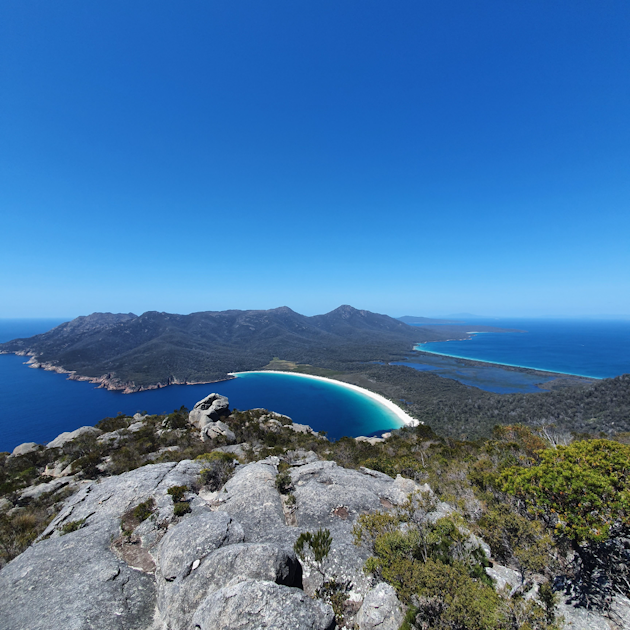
point(596, 349)
point(36, 405)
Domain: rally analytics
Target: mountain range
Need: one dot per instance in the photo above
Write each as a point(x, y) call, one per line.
point(131, 352)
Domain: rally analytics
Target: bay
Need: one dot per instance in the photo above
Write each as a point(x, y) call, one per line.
point(36, 405)
point(591, 348)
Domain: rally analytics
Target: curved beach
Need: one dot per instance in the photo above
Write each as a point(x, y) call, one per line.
point(404, 417)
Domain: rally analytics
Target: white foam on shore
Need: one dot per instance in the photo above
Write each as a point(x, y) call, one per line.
point(404, 417)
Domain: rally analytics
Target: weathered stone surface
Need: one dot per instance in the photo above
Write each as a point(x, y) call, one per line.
point(381, 609)
point(68, 436)
point(75, 581)
point(301, 457)
point(576, 618)
point(251, 498)
point(240, 450)
point(58, 469)
point(327, 496)
point(503, 576)
point(212, 430)
point(193, 539)
point(369, 440)
point(178, 599)
point(23, 449)
point(304, 428)
point(34, 492)
point(251, 605)
point(212, 408)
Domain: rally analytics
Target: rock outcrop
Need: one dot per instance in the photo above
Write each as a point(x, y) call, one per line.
point(68, 436)
point(206, 416)
point(229, 563)
point(25, 448)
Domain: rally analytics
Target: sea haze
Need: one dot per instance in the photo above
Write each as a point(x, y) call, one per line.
point(37, 405)
point(596, 349)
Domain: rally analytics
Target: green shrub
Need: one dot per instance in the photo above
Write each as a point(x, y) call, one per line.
point(284, 484)
point(314, 548)
point(71, 526)
point(181, 508)
point(177, 493)
point(143, 510)
point(220, 469)
point(114, 424)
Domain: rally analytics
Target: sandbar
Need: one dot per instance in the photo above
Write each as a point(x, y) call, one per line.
point(404, 417)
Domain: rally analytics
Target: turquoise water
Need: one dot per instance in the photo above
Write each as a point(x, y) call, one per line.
point(35, 405)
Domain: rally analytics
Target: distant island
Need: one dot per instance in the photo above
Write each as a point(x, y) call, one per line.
point(132, 353)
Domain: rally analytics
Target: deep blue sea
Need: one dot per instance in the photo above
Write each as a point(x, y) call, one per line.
point(35, 405)
point(597, 349)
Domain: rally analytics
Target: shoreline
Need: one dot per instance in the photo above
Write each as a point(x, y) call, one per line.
point(523, 368)
point(402, 415)
point(111, 384)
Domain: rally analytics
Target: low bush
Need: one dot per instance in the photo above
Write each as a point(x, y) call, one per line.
point(284, 484)
point(177, 493)
point(71, 526)
point(181, 508)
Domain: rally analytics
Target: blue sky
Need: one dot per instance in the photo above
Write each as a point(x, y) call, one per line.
point(410, 157)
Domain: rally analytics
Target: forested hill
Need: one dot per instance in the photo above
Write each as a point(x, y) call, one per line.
point(126, 351)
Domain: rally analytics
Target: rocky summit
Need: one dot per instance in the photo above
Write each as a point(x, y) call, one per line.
point(228, 562)
point(219, 520)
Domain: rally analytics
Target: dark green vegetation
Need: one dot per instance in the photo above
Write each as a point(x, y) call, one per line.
point(453, 409)
point(559, 516)
point(130, 352)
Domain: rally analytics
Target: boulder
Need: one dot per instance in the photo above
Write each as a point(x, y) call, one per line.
point(239, 450)
point(213, 430)
point(251, 605)
point(178, 599)
point(327, 496)
point(369, 440)
point(193, 539)
point(68, 436)
point(212, 408)
point(23, 449)
point(58, 469)
point(381, 609)
point(251, 498)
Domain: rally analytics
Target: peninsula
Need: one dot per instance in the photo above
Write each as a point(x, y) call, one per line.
point(133, 353)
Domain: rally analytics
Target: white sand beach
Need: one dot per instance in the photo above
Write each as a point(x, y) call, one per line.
point(405, 418)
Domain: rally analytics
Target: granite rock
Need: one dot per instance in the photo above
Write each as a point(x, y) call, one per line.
point(25, 448)
point(178, 599)
point(251, 605)
point(68, 436)
point(212, 408)
point(381, 609)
